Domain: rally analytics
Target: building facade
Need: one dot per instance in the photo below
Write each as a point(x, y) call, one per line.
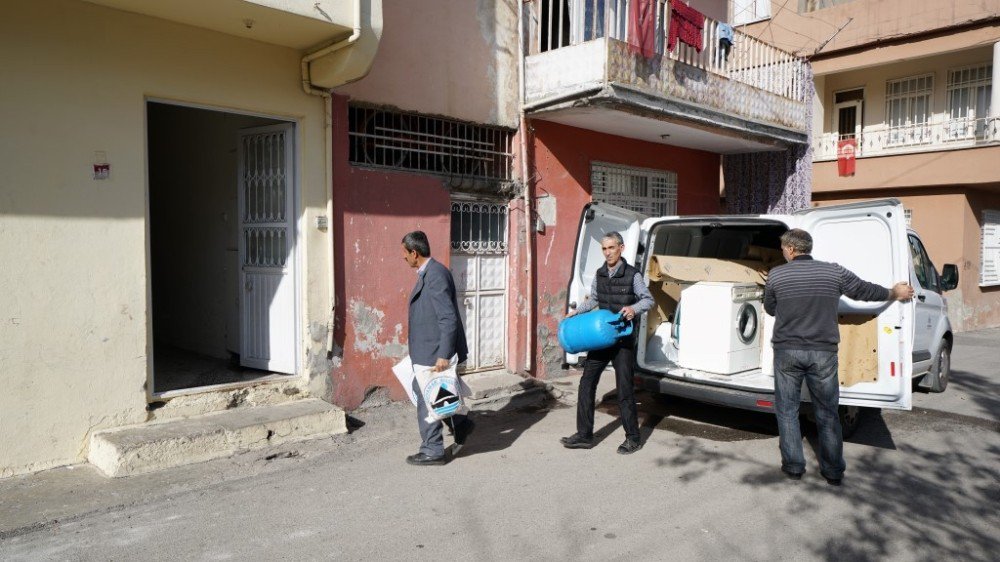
point(624, 107)
point(908, 89)
point(163, 206)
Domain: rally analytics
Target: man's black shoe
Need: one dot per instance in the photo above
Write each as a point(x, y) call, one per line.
point(792, 475)
point(834, 481)
point(629, 447)
point(420, 459)
point(576, 441)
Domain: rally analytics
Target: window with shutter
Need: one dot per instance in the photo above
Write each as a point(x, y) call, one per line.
point(989, 263)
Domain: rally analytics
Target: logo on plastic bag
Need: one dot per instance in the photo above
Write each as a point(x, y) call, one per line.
point(442, 395)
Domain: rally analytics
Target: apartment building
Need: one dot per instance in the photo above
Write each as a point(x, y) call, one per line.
point(906, 107)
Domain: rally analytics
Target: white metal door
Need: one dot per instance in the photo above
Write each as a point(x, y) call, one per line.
point(267, 248)
point(479, 265)
point(869, 239)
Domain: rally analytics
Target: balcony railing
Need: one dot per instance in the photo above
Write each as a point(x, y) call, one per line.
point(882, 140)
point(565, 23)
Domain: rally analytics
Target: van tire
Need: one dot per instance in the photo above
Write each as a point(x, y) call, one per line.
point(850, 419)
point(849, 416)
point(937, 377)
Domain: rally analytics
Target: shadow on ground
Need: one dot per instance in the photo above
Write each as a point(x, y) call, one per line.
point(497, 430)
point(906, 500)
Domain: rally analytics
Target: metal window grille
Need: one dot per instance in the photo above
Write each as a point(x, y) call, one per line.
point(409, 141)
point(969, 91)
point(479, 228)
point(650, 192)
point(908, 108)
point(989, 263)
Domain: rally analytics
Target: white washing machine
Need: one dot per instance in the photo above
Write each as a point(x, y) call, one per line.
point(719, 327)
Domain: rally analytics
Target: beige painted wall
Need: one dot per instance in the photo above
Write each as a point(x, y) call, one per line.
point(74, 323)
point(446, 57)
point(971, 166)
point(870, 20)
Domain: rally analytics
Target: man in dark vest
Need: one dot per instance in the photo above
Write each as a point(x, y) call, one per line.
point(617, 287)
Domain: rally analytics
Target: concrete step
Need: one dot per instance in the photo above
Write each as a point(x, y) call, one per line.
point(155, 446)
point(501, 390)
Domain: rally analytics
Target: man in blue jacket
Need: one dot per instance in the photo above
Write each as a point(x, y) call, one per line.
point(803, 295)
point(435, 336)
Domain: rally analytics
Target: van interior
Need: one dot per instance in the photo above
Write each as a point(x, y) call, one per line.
point(708, 324)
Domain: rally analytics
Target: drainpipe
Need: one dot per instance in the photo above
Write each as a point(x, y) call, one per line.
point(307, 87)
point(528, 226)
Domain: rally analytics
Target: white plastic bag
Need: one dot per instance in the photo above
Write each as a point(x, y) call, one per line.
point(443, 392)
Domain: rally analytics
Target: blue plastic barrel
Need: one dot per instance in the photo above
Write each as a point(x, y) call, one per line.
point(592, 330)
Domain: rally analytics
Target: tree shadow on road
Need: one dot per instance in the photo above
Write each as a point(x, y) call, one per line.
point(936, 502)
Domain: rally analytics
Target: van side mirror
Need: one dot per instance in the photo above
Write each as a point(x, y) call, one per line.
point(949, 277)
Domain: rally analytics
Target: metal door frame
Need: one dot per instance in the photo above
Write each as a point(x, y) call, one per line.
point(459, 198)
point(297, 234)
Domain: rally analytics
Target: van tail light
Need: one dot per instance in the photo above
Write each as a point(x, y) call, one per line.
point(892, 369)
point(765, 404)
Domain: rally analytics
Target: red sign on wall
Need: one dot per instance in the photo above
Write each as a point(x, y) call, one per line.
point(845, 156)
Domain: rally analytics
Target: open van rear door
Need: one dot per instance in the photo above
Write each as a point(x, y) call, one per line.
point(869, 239)
point(597, 220)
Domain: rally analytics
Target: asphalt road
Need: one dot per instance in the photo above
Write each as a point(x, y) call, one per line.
point(921, 485)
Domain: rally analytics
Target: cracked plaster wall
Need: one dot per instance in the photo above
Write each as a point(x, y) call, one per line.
point(373, 209)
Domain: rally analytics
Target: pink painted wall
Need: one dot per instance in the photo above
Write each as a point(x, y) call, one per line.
point(372, 210)
point(561, 159)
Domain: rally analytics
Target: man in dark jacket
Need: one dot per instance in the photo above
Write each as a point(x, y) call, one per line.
point(435, 335)
point(617, 287)
point(803, 297)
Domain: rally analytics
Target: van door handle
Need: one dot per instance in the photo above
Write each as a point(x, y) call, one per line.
point(921, 298)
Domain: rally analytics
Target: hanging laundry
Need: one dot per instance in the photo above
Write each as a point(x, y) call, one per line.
point(725, 40)
point(686, 24)
point(642, 27)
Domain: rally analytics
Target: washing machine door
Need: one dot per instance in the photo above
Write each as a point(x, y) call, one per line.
point(747, 324)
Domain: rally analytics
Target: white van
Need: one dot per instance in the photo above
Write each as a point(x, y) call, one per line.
point(715, 346)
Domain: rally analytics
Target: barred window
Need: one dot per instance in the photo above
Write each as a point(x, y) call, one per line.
point(650, 192)
point(410, 141)
point(908, 109)
point(479, 228)
point(969, 91)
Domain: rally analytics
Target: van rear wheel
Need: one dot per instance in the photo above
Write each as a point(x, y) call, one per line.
point(850, 419)
point(849, 416)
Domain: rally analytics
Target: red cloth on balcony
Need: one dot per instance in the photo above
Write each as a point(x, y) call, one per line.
point(686, 24)
point(846, 153)
point(642, 27)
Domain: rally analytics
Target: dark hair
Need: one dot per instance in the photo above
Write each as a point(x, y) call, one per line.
point(416, 241)
point(799, 240)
